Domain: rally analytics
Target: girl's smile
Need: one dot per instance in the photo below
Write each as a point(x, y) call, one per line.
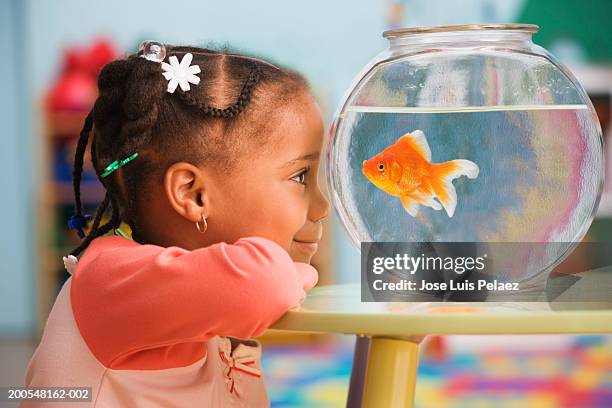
point(309, 248)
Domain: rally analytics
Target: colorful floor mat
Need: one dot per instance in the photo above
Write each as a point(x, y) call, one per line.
point(579, 377)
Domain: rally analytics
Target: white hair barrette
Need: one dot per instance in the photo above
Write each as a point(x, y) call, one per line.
point(177, 73)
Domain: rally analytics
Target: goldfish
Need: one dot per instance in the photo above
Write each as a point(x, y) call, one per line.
point(405, 170)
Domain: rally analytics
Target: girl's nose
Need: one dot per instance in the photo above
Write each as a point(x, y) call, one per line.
point(320, 206)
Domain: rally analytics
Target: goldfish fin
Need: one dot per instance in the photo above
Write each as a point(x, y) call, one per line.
point(442, 181)
point(410, 205)
point(467, 168)
point(434, 204)
point(445, 191)
point(417, 141)
point(426, 199)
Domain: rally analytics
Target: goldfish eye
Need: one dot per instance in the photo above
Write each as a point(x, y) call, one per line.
point(381, 166)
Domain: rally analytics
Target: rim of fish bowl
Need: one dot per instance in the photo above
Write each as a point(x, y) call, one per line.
point(398, 32)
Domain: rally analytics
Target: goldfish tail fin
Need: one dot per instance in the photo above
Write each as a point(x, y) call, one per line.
point(410, 205)
point(442, 181)
point(466, 168)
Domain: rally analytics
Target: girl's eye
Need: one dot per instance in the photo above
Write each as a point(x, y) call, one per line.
point(301, 178)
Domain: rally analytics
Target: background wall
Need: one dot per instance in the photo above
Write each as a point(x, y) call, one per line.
point(16, 270)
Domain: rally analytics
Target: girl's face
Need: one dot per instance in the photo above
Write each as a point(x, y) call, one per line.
point(274, 194)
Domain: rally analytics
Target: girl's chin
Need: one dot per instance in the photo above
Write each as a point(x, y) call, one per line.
point(300, 254)
point(301, 258)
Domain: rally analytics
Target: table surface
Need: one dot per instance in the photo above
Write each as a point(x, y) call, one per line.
point(338, 309)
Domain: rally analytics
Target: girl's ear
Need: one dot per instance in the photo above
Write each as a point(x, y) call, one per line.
point(184, 185)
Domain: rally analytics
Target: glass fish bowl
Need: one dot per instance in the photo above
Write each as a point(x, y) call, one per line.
point(466, 134)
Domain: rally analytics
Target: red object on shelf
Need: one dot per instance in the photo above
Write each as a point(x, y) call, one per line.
point(98, 55)
point(75, 89)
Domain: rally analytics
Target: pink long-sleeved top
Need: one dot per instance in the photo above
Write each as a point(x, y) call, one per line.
point(148, 326)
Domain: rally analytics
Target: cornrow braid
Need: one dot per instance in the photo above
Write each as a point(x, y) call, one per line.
point(113, 223)
point(231, 111)
point(94, 228)
point(116, 216)
point(78, 162)
point(115, 71)
point(141, 103)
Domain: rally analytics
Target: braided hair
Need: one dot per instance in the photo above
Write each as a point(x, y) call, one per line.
point(211, 123)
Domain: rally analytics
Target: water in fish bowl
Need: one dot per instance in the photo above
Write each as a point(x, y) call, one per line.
point(472, 174)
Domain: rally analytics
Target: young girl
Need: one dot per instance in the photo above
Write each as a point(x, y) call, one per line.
point(211, 159)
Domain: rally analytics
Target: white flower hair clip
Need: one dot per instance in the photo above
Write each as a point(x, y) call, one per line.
point(177, 73)
point(181, 74)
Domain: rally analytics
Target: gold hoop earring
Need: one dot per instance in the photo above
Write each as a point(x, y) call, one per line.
point(200, 228)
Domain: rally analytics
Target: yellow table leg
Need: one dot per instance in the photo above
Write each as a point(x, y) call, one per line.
point(391, 373)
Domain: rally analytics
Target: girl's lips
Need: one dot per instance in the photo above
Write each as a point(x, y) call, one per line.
point(309, 247)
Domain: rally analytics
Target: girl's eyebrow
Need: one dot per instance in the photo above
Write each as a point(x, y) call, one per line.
point(309, 156)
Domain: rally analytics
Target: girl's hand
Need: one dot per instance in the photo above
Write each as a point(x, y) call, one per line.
point(309, 277)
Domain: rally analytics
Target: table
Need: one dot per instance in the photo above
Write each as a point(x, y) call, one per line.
point(388, 334)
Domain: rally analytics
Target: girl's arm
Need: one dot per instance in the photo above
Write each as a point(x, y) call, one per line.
point(136, 297)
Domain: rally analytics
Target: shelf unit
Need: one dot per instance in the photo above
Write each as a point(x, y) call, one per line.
point(56, 199)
